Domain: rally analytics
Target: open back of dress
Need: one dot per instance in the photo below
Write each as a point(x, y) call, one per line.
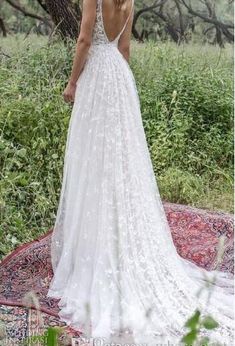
point(114, 19)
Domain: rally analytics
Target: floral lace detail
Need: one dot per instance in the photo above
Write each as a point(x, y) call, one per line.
point(99, 36)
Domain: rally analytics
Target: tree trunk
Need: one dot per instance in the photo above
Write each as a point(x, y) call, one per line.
point(169, 27)
point(3, 28)
point(219, 38)
point(66, 15)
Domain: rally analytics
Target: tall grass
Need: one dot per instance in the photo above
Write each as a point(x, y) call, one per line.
point(186, 102)
point(187, 106)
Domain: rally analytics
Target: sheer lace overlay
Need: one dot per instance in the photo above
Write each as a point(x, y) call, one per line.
point(111, 245)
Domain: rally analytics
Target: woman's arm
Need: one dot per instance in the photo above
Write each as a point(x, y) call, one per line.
point(125, 39)
point(82, 47)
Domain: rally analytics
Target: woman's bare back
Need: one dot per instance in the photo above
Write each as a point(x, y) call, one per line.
point(115, 18)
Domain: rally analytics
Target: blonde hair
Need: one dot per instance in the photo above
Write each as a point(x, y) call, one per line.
point(119, 3)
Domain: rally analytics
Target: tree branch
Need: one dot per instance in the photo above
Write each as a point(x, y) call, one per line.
point(157, 3)
point(206, 19)
point(24, 11)
point(43, 6)
point(180, 17)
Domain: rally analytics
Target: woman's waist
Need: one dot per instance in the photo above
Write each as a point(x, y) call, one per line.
point(103, 47)
point(105, 55)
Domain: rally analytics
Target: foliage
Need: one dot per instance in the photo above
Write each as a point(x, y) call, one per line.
point(186, 101)
point(187, 106)
point(196, 324)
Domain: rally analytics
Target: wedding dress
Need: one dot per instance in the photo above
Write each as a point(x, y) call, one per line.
point(116, 269)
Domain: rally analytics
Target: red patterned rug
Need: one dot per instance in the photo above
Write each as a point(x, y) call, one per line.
point(195, 232)
point(20, 323)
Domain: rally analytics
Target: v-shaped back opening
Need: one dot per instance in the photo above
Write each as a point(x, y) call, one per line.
point(124, 26)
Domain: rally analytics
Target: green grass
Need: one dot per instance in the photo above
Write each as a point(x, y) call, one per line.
point(187, 106)
point(186, 95)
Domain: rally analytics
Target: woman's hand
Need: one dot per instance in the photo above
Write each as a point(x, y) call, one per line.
point(69, 92)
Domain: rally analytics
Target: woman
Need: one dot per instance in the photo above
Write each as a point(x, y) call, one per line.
point(111, 248)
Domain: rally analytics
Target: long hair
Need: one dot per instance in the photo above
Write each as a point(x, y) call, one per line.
point(119, 3)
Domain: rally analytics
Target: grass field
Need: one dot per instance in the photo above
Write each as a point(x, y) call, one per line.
point(186, 96)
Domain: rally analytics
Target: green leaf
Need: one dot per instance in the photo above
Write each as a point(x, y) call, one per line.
point(193, 322)
point(52, 336)
point(23, 181)
point(209, 323)
point(189, 338)
point(2, 145)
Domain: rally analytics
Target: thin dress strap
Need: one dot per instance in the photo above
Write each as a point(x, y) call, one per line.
point(100, 20)
point(128, 18)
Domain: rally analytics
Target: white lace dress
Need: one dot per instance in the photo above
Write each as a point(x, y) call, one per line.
point(112, 252)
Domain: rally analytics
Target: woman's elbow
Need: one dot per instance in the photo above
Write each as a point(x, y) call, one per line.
point(84, 42)
point(125, 52)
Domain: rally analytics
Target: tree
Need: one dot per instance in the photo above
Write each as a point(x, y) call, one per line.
point(222, 29)
point(66, 15)
point(178, 20)
point(38, 18)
